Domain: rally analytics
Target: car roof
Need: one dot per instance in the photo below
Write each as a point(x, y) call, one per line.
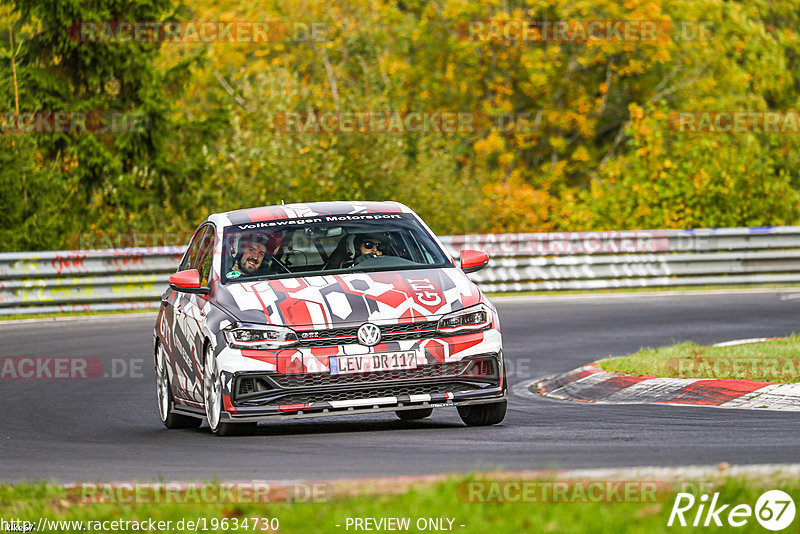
point(310, 209)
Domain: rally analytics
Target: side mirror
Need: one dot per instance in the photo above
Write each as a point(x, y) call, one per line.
point(473, 260)
point(188, 282)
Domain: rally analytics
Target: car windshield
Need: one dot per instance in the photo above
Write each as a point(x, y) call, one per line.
point(328, 244)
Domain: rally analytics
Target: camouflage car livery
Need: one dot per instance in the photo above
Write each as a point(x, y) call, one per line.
point(341, 340)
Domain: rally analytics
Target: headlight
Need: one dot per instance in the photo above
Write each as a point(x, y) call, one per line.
point(472, 319)
point(250, 336)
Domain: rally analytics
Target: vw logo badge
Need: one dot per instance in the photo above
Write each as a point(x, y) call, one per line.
point(369, 334)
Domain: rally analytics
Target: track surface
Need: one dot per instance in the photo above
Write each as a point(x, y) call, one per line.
point(108, 428)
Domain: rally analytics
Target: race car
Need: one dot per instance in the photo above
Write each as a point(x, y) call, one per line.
point(322, 309)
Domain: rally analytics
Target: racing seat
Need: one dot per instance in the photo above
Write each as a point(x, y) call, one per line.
point(342, 256)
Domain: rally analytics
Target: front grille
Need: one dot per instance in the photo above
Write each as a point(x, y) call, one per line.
point(317, 379)
point(394, 332)
point(365, 393)
point(468, 368)
point(405, 327)
point(272, 389)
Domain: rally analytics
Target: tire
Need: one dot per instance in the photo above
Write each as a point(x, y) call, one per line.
point(487, 414)
point(166, 402)
point(413, 415)
point(212, 398)
point(483, 414)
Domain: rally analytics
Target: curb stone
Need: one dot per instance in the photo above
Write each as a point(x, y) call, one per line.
point(592, 384)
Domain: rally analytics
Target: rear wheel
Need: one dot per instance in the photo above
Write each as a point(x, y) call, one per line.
point(166, 403)
point(212, 396)
point(413, 415)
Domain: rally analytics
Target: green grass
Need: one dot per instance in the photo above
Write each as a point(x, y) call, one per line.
point(445, 499)
point(771, 361)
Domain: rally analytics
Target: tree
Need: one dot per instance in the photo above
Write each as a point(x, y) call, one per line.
point(134, 170)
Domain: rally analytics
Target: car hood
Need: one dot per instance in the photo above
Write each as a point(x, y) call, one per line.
point(319, 302)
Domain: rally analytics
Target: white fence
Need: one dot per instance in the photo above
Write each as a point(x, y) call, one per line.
point(113, 279)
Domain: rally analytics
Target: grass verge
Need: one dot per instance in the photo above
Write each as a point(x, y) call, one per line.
point(480, 504)
point(771, 361)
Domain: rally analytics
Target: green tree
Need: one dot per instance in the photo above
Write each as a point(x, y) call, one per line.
point(119, 180)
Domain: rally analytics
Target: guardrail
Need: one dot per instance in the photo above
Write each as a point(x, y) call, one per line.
point(85, 280)
point(114, 279)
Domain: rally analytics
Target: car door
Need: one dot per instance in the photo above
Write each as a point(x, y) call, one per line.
point(193, 317)
point(184, 382)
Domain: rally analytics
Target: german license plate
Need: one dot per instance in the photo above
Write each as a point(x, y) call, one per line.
point(370, 363)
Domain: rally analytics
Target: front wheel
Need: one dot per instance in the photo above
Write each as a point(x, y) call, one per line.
point(483, 414)
point(212, 397)
point(490, 413)
point(166, 402)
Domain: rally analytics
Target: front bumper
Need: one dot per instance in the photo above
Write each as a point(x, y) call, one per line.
point(254, 396)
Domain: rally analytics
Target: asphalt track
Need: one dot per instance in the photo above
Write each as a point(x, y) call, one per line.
point(107, 429)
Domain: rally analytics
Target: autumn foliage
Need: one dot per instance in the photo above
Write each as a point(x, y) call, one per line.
point(570, 133)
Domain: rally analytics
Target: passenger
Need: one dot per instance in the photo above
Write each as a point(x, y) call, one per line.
point(354, 246)
point(367, 245)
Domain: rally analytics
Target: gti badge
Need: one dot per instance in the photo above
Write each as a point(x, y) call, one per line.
point(369, 334)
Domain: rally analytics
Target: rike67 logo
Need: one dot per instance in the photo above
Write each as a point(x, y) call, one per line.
point(774, 510)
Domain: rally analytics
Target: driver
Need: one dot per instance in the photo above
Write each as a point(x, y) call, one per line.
point(251, 253)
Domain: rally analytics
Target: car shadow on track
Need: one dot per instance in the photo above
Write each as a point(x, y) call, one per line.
point(311, 428)
point(294, 428)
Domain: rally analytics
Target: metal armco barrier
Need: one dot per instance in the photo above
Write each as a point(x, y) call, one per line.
point(85, 280)
point(638, 258)
point(114, 279)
